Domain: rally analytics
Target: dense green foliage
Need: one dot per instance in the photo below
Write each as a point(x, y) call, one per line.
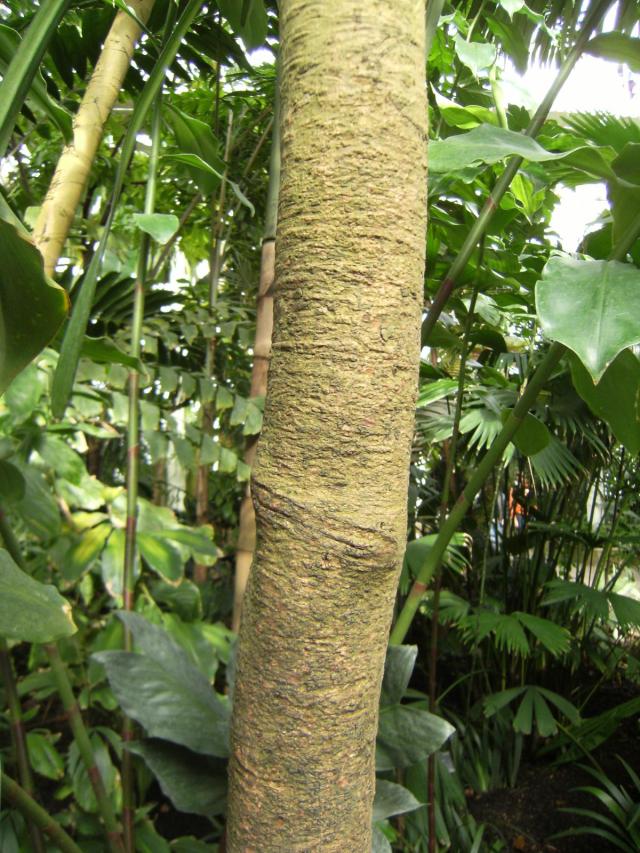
point(534, 605)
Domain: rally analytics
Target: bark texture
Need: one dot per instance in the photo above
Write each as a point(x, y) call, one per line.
point(74, 166)
point(261, 356)
point(330, 483)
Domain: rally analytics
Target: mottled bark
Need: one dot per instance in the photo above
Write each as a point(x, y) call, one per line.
point(261, 356)
point(330, 484)
point(74, 166)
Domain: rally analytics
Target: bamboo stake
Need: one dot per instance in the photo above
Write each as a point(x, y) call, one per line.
point(260, 369)
point(72, 172)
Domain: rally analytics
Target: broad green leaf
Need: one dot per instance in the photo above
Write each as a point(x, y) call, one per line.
point(32, 307)
point(18, 79)
point(192, 782)
point(83, 553)
point(379, 841)
point(30, 610)
point(163, 557)
point(196, 162)
point(228, 461)
point(38, 509)
point(407, 735)
point(618, 47)
point(392, 799)
point(511, 6)
point(616, 397)
point(563, 705)
point(224, 398)
point(160, 226)
point(248, 19)
point(398, 667)
point(44, 757)
point(475, 55)
point(532, 435)
point(165, 692)
point(82, 787)
point(592, 307)
point(104, 351)
point(12, 483)
point(24, 394)
point(484, 144)
point(59, 456)
point(197, 539)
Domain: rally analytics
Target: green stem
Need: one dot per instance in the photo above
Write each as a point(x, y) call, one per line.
point(70, 705)
point(491, 457)
point(18, 736)
point(503, 183)
point(81, 738)
point(24, 65)
point(484, 468)
point(133, 461)
point(18, 797)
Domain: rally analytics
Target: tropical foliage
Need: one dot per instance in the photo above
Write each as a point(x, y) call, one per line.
point(127, 409)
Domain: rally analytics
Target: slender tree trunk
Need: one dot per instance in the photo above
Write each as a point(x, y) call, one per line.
point(331, 478)
point(260, 371)
point(72, 172)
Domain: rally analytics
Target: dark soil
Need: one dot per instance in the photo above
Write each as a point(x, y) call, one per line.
point(526, 817)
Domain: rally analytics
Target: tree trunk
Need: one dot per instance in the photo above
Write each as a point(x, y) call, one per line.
point(331, 478)
point(72, 172)
point(260, 371)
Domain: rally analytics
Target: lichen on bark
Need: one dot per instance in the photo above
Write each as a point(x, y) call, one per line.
point(331, 478)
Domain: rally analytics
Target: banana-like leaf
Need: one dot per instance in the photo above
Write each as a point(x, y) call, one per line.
point(32, 307)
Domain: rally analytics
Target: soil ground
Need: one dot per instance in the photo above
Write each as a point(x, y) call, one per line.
point(526, 817)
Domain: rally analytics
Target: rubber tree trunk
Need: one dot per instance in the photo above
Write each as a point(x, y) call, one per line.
point(74, 166)
point(331, 477)
point(261, 356)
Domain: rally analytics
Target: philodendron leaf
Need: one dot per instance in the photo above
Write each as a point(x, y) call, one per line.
point(398, 667)
point(30, 610)
point(592, 307)
point(160, 226)
point(484, 144)
point(32, 307)
point(190, 781)
point(12, 484)
point(475, 55)
point(616, 397)
point(379, 841)
point(407, 735)
point(392, 799)
point(165, 692)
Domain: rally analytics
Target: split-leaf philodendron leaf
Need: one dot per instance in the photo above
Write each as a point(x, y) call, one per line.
point(592, 307)
point(32, 307)
point(29, 610)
